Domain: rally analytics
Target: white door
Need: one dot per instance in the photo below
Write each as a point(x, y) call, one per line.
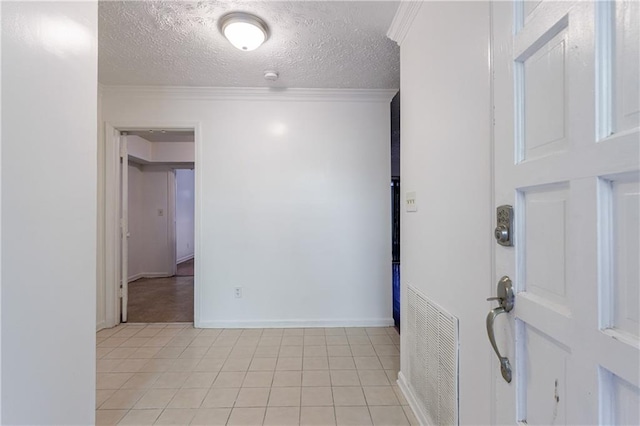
point(567, 112)
point(124, 227)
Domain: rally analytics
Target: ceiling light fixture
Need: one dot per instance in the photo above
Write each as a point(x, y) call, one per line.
point(244, 31)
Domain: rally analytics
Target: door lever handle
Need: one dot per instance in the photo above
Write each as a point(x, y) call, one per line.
point(505, 365)
point(506, 298)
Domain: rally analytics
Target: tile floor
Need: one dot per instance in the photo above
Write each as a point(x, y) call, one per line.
point(175, 374)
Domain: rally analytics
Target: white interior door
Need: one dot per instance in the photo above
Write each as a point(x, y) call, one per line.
point(124, 227)
point(567, 113)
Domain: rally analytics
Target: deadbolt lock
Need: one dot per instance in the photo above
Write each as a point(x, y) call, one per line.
point(504, 227)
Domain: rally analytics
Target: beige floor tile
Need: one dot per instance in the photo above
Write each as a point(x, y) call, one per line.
point(220, 398)
point(263, 364)
point(367, 363)
point(314, 340)
point(285, 397)
point(112, 380)
point(135, 342)
point(101, 352)
point(353, 416)
point(341, 363)
point(413, 421)
point(258, 379)
point(112, 342)
point(317, 416)
point(246, 417)
point(236, 364)
point(120, 353)
point(363, 350)
point(344, 378)
point(335, 331)
point(218, 352)
point(156, 365)
point(339, 350)
point(291, 340)
point(314, 331)
point(270, 341)
point(289, 364)
point(157, 341)
point(358, 340)
point(169, 352)
point(273, 332)
point(355, 331)
point(388, 416)
point(155, 398)
point(188, 398)
point(212, 365)
point(203, 341)
point(102, 395)
point(242, 351)
point(291, 351)
point(107, 365)
point(266, 352)
point(287, 379)
point(211, 417)
point(399, 395)
point(145, 352)
point(315, 363)
point(374, 331)
point(317, 396)
point(392, 375)
point(200, 379)
point(373, 378)
point(293, 332)
point(316, 378)
point(194, 352)
point(390, 362)
point(348, 396)
point(315, 351)
point(252, 397)
point(229, 380)
point(380, 395)
point(141, 381)
point(130, 365)
point(122, 399)
point(171, 379)
point(185, 364)
point(107, 332)
point(109, 417)
point(282, 416)
point(386, 350)
point(141, 417)
point(176, 416)
point(381, 339)
point(337, 340)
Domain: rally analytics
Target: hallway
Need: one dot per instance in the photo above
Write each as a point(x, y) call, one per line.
point(161, 300)
point(175, 374)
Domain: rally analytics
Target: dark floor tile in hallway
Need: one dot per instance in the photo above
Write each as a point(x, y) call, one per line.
point(161, 300)
point(185, 269)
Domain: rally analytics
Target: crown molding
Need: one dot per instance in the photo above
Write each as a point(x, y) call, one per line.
point(249, 93)
point(403, 19)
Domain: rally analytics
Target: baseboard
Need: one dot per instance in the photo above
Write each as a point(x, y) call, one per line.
point(185, 258)
point(412, 400)
point(326, 323)
point(149, 275)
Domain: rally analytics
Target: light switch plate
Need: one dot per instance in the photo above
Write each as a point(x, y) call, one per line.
point(411, 203)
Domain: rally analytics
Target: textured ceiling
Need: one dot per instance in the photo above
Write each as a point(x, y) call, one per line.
point(327, 44)
point(164, 135)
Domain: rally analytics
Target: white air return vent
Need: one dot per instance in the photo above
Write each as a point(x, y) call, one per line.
point(431, 357)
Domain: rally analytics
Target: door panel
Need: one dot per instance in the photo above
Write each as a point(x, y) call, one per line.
point(566, 102)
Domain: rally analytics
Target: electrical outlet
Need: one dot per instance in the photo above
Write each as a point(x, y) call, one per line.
point(238, 292)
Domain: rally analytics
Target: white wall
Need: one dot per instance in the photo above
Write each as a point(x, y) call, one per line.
point(185, 214)
point(446, 160)
point(150, 240)
point(49, 99)
point(293, 201)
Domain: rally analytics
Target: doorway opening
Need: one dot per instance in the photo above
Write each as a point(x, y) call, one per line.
point(157, 210)
point(395, 207)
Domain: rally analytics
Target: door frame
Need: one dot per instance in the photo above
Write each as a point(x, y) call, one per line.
point(109, 222)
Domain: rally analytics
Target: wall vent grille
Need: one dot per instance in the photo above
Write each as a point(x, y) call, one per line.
point(431, 357)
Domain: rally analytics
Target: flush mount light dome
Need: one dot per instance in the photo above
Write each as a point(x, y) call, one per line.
point(245, 31)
